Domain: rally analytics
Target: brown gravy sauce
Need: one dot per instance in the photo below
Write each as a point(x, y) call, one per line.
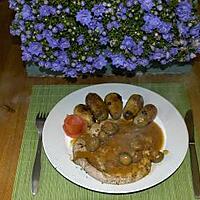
point(106, 157)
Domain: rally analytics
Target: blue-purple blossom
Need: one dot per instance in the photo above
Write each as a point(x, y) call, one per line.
point(146, 5)
point(164, 27)
point(195, 31)
point(80, 39)
point(100, 62)
point(103, 40)
point(168, 37)
point(143, 62)
point(98, 10)
point(138, 49)
point(39, 26)
point(27, 13)
point(183, 29)
point(46, 10)
point(184, 10)
point(64, 43)
point(158, 54)
point(118, 60)
point(129, 3)
point(84, 17)
point(127, 43)
point(151, 22)
point(35, 48)
point(53, 43)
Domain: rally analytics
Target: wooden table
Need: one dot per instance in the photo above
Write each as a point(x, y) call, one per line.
point(15, 91)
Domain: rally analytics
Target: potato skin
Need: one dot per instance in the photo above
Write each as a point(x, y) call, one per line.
point(97, 106)
point(84, 112)
point(146, 115)
point(114, 104)
point(133, 106)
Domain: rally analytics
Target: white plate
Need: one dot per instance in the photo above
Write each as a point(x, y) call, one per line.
point(58, 149)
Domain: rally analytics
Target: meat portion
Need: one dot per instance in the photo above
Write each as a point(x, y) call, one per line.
point(122, 157)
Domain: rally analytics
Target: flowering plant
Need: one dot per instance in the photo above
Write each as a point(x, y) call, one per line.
point(79, 37)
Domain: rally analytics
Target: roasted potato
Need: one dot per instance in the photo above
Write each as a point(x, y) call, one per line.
point(114, 104)
point(133, 106)
point(97, 106)
point(146, 115)
point(84, 112)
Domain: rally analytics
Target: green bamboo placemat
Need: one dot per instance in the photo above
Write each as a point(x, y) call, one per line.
point(53, 186)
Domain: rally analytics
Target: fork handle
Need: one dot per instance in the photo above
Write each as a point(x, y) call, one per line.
point(36, 168)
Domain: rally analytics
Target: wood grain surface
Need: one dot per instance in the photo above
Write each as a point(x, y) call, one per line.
point(15, 91)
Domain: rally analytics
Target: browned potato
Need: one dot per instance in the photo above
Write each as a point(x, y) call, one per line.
point(114, 104)
point(133, 106)
point(146, 115)
point(84, 112)
point(97, 106)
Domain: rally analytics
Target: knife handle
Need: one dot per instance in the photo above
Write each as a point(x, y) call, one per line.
point(195, 171)
point(36, 168)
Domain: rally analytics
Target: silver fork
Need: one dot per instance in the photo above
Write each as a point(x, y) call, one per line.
point(39, 122)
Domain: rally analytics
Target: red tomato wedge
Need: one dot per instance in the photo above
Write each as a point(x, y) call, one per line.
point(74, 125)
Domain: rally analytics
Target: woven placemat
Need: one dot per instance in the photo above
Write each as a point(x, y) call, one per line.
point(54, 186)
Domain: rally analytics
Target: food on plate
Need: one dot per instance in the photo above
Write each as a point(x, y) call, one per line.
point(97, 106)
point(114, 104)
point(74, 125)
point(84, 112)
point(112, 148)
point(146, 115)
point(123, 157)
point(133, 106)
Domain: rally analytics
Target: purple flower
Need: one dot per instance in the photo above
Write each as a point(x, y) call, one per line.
point(64, 43)
point(35, 48)
point(151, 22)
point(195, 31)
point(26, 55)
point(74, 54)
point(27, 13)
point(39, 26)
point(47, 33)
point(90, 59)
point(84, 17)
point(103, 40)
point(52, 42)
point(62, 57)
point(183, 29)
point(173, 51)
point(13, 4)
point(158, 54)
point(60, 26)
point(164, 27)
point(138, 49)
point(98, 10)
point(184, 10)
point(23, 38)
point(113, 24)
point(67, 10)
point(143, 62)
point(118, 60)
point(100, 62)
point(146, 5)
point(168, 37)
point(127, 43)
point(39, 37)
point(129, 3)
point(46, 10)
point(129, 65)
point(80, 39)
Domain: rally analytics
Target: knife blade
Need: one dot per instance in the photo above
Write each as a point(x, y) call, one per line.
point(193, 155)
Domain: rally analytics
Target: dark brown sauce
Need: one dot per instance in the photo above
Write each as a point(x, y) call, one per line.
point(106, 157)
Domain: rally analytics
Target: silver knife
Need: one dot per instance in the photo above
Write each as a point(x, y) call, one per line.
point(193, 155)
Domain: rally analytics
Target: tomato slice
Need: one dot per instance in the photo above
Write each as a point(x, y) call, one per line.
point(74, 125)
